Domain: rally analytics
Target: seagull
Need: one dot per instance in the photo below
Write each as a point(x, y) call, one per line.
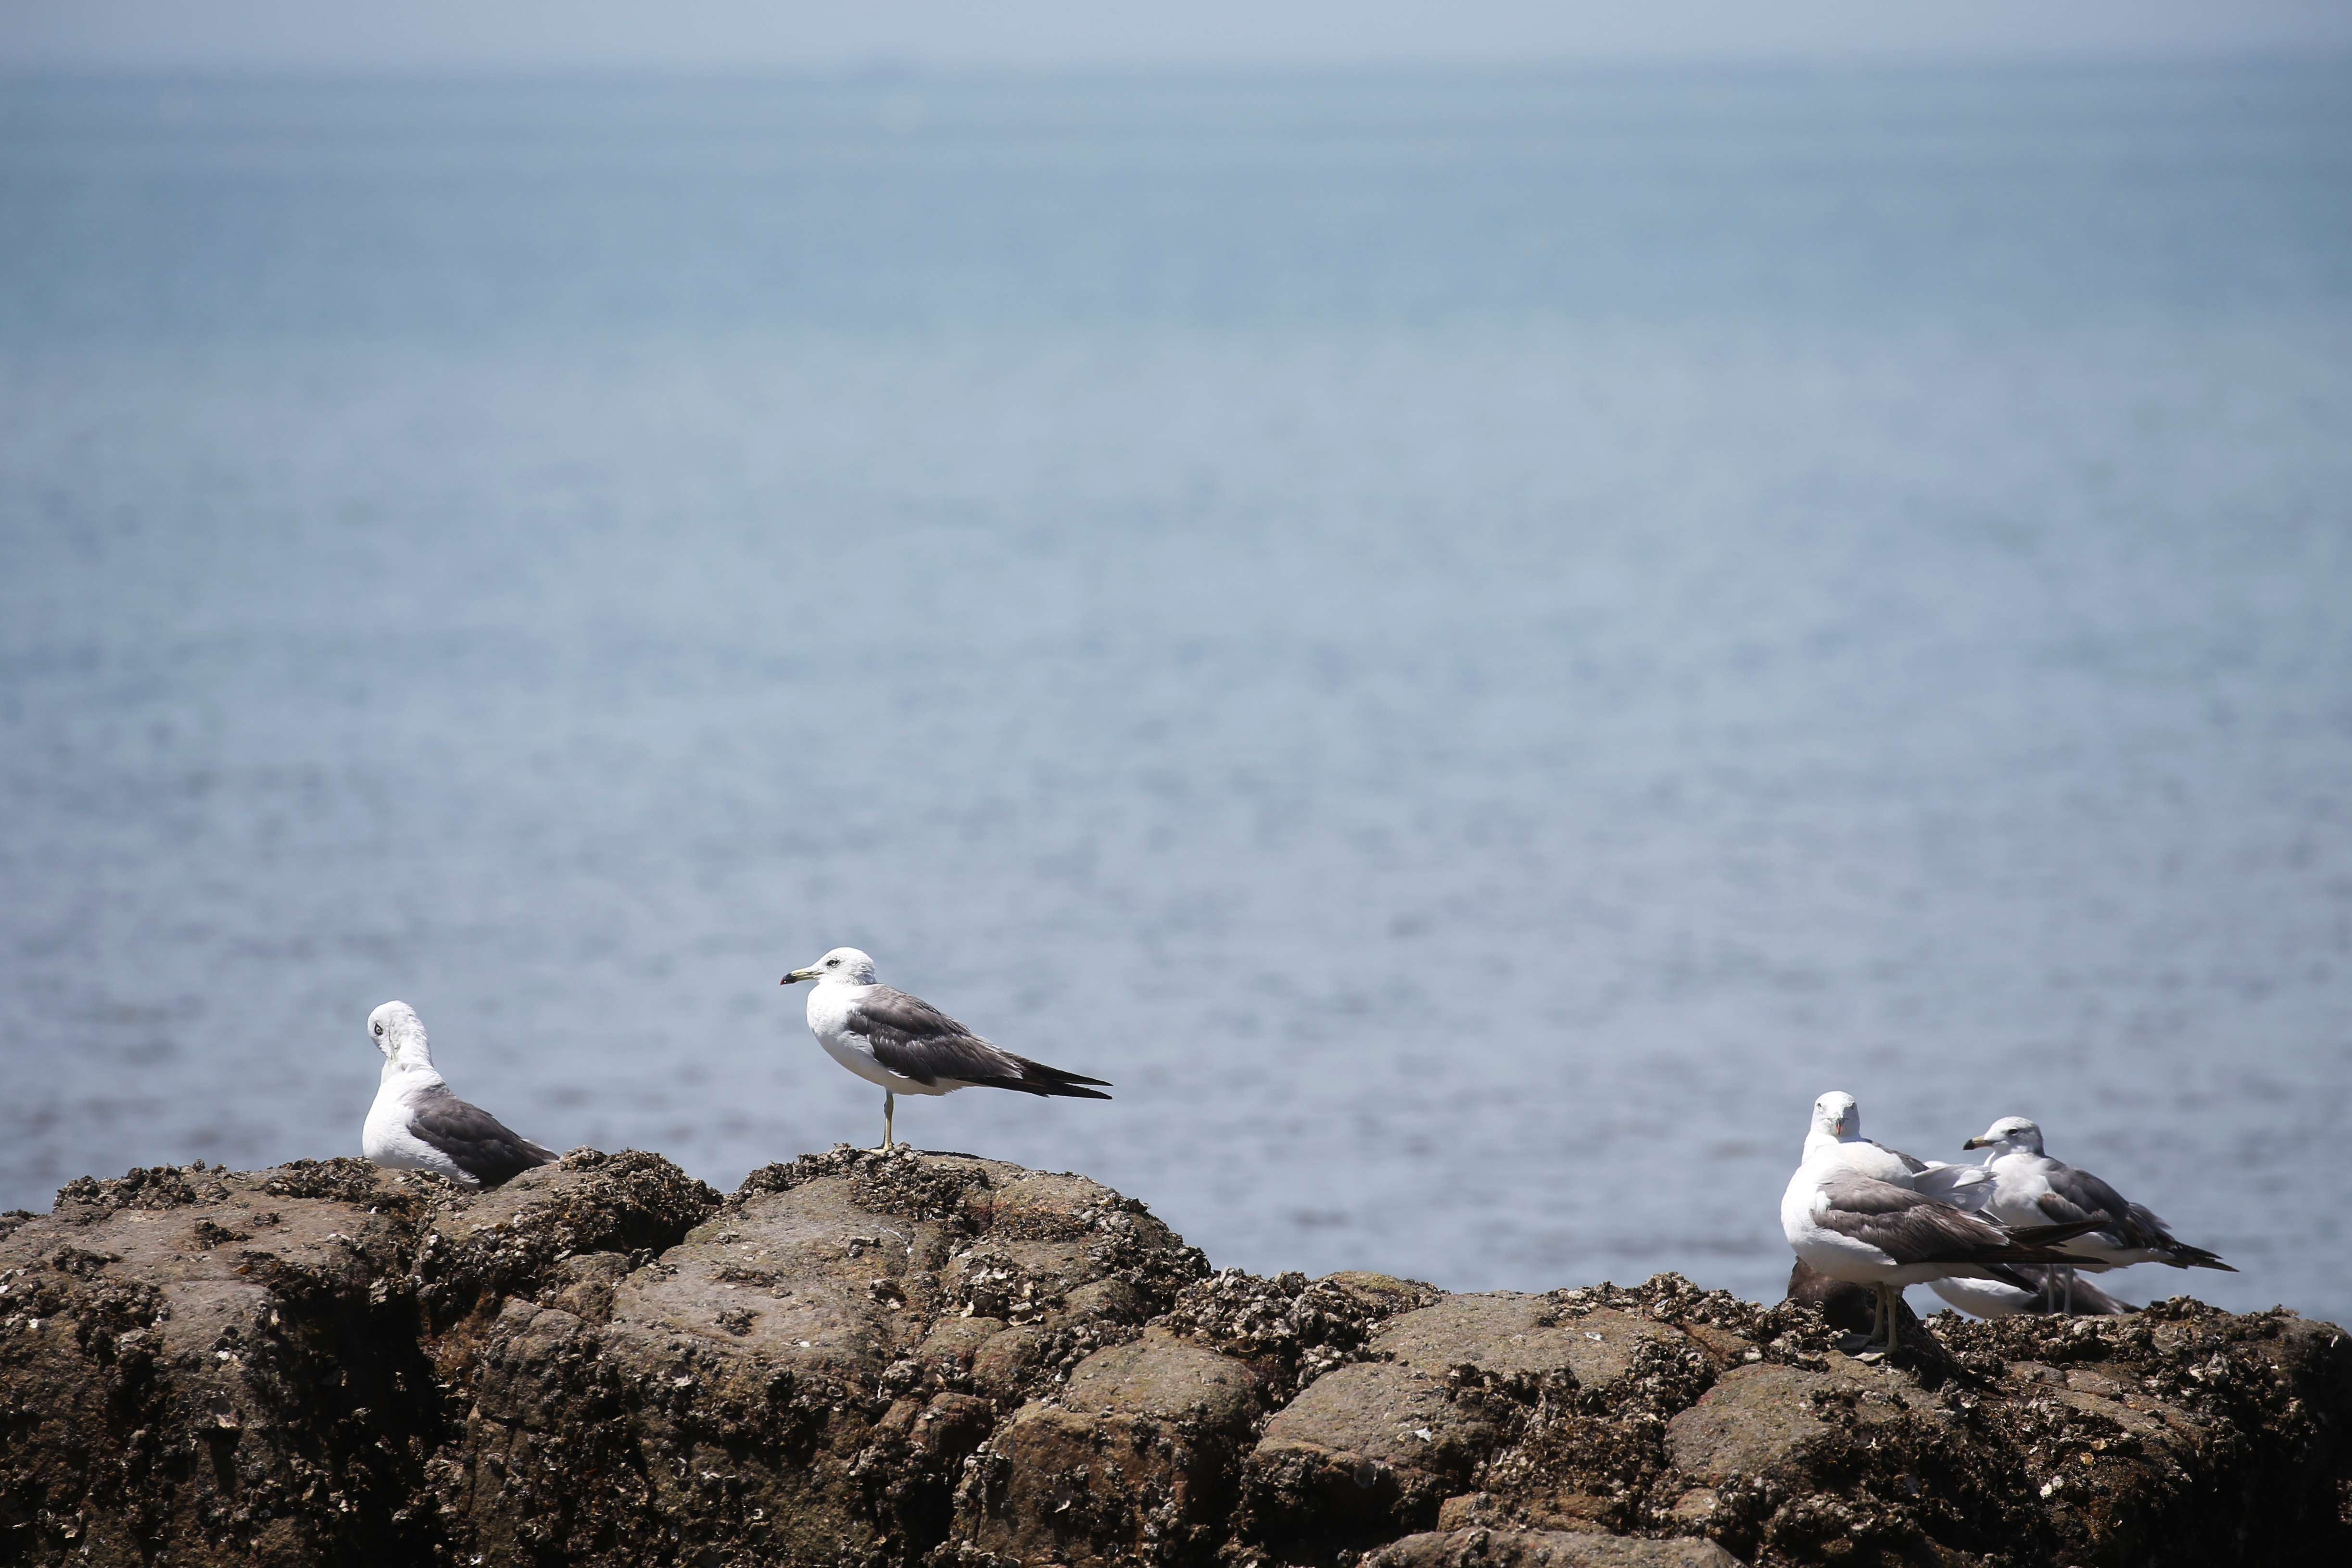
point(2031, 1188)
point(1837, 1125)
point(1842, 1303)
point(909, 1046)
point(2051, 1296)
point(1870, 1232)
point(417, 1124)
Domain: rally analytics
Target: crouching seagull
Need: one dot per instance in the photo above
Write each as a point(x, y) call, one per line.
point(907, 1045)
point(1869, 1232)
point(2030, 1188)
point(2054, 1298)
point(417, 1124)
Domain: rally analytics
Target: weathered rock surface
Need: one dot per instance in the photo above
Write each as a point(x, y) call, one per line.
point(265, 1366)
point(1535, 1549)
point(909, 1359)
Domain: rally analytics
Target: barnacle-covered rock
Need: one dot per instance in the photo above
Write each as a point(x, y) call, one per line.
point(1501, 1395)
point(900, 1360)
point(244, 1366)
point(1135, 1459)
point(1481, 1548)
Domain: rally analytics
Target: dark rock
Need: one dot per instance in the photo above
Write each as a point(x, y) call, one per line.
point(807, 1374)
point(244, 1366)
point(1136, 1459)
point(1531, 1549)
point(900, 1360)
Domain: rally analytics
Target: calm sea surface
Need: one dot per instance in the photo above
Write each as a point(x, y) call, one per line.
point(1474, 643)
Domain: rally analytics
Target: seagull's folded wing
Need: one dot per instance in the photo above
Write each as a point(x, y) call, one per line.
point(916, 1040)
point(1908, 1226)
point(2063, 1210)
point(484, 1147)
point(1912, 1227)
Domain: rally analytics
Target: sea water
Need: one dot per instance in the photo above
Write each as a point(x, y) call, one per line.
point(1471, 642)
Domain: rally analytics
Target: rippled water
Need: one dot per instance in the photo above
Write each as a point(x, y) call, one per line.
point(1472, 643)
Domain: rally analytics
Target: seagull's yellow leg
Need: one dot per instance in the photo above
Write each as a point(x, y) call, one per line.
point(889, 1104)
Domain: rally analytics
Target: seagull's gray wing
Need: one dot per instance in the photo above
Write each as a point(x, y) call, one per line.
point(916, 1040)
point(2077, 1195)
point(1907, 1227)
point(1911, 1227)
point(2073, 1194)
point(483, 1147)
point(2143, 1228)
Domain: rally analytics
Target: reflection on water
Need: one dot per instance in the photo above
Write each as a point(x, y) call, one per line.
point(1472, 646)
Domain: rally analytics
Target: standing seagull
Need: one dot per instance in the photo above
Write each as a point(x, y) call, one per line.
point(1855, 1227)
point(417, 1124)
point(2031, 1188)
point(909, 1046)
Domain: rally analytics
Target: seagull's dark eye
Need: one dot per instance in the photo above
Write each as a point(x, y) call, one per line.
point(831, 963)
point(379, 1029)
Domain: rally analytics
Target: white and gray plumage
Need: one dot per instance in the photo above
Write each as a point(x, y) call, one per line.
point(907, 1045)
point(417, 1124)
point(1855, 1227)
point(1837, 1125)
point(2051, 1296)
point(2030, 1187)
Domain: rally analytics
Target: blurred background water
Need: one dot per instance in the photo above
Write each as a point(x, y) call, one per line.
point(1473, 641)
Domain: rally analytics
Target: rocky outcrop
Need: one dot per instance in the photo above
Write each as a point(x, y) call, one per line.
point(911, 1359)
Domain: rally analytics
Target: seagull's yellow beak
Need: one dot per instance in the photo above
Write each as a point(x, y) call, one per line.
point(797, 974)
point(1978, 1143)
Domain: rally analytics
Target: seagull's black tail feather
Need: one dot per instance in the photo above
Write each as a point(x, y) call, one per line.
point(2009, 1274)
point(1037, 1078)
point(510, 1160)
point(2039, 1236)
point(2187, 1256)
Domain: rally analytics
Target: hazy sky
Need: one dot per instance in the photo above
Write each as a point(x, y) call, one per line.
point(343, 35)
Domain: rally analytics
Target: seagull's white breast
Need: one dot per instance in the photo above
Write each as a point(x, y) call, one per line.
point(2018, 1182)
point(1838, 1256)
point(386, 1139)
point(829, 1005)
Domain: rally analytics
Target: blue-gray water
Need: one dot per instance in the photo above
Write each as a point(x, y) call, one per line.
point(1474, 643)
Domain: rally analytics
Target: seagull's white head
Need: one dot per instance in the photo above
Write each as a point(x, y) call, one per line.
point(2008, 1135)
point(399, 1034)
point(1837, 1116)
point(843, 965)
